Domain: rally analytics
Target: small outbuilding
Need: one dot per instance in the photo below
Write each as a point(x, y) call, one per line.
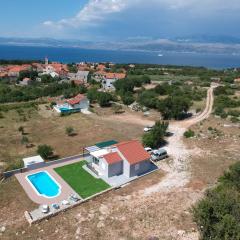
point(33, 162)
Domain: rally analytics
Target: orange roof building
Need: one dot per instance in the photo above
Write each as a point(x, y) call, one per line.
point(125, 160)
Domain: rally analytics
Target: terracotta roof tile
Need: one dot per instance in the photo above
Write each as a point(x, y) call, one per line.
point(133, 151)
point(76, 99)
point(112, 158)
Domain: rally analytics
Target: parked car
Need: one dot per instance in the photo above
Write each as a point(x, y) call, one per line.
point(45, 209)
point(159, 154)
point(148, 149)
point(147, 129)
point(55, 206)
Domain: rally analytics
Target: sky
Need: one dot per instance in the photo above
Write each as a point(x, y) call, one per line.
point(119, 19)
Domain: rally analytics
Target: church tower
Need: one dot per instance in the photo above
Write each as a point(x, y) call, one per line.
point(46, 61)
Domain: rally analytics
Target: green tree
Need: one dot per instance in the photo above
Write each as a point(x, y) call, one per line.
point(92, 95)
point(127, 98)
point(146, 79)
point(124, 85)
point(155, 137)
point(45, 151)
point(161, 89)
point(104, 99)
point(174, 107)
point(148, 99)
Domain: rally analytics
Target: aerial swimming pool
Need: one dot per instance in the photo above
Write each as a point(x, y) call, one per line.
point(44, 184)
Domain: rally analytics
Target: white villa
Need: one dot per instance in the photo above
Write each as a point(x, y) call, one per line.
point(129, 159)
point(76, 104)
point(49, 70)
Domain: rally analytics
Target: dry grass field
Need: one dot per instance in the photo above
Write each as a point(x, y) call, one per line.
point(45, 128)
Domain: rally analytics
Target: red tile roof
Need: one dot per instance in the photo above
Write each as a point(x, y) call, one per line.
point(76, 99)
point(112, 158)
point(115, 75)
point(18, 68)
point(133, 151)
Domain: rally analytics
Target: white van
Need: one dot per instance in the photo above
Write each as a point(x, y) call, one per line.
point(159, 154)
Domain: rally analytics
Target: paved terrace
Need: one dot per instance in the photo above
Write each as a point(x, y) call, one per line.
point(66, 190)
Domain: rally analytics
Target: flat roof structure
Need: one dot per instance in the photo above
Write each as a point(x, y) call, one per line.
point(99, 153)
point(32, 160)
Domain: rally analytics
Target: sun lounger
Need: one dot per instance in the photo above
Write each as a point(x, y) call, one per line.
point(65, 202)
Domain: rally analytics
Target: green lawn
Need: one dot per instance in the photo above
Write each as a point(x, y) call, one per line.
point(80, 180)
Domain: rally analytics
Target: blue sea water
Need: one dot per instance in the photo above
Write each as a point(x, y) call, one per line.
point(44, 184)
point(68, 55)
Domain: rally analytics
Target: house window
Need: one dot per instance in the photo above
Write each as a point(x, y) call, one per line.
point(137, 166)
point(96, 161)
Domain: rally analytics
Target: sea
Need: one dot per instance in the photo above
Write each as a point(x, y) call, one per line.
point(69, 55)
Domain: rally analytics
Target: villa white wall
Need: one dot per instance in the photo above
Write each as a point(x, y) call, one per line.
point(103, 167)
point(84, 104)
point(126, 168)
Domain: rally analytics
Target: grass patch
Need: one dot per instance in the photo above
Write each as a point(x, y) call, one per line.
point(80, 180)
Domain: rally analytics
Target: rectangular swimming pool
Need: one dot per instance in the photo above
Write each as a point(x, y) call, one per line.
point(44, 184)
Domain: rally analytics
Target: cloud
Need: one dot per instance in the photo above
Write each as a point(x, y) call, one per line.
point(97, 12)
point(94, 12)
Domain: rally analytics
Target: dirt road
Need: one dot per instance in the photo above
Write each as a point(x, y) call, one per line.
point(203, 115)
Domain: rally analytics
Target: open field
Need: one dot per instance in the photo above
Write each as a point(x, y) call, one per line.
point(81, 181)
point(159, 78)
point(51, 130)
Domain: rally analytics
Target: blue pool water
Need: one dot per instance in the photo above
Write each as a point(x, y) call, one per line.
point(44, 184)
point(69, 110)
point(64, 109)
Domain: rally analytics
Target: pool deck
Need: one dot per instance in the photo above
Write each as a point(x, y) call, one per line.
point(66, 190)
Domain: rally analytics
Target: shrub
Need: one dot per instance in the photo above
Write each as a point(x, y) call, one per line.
point(21, 129)
point(210, 129)
point(127, 98)
point(161, 90)
point(189, 134)
point(217, 215)
point(117, 109)
point(69, 131)
point(24, 140)
point(14, 165)
point(45, 151)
